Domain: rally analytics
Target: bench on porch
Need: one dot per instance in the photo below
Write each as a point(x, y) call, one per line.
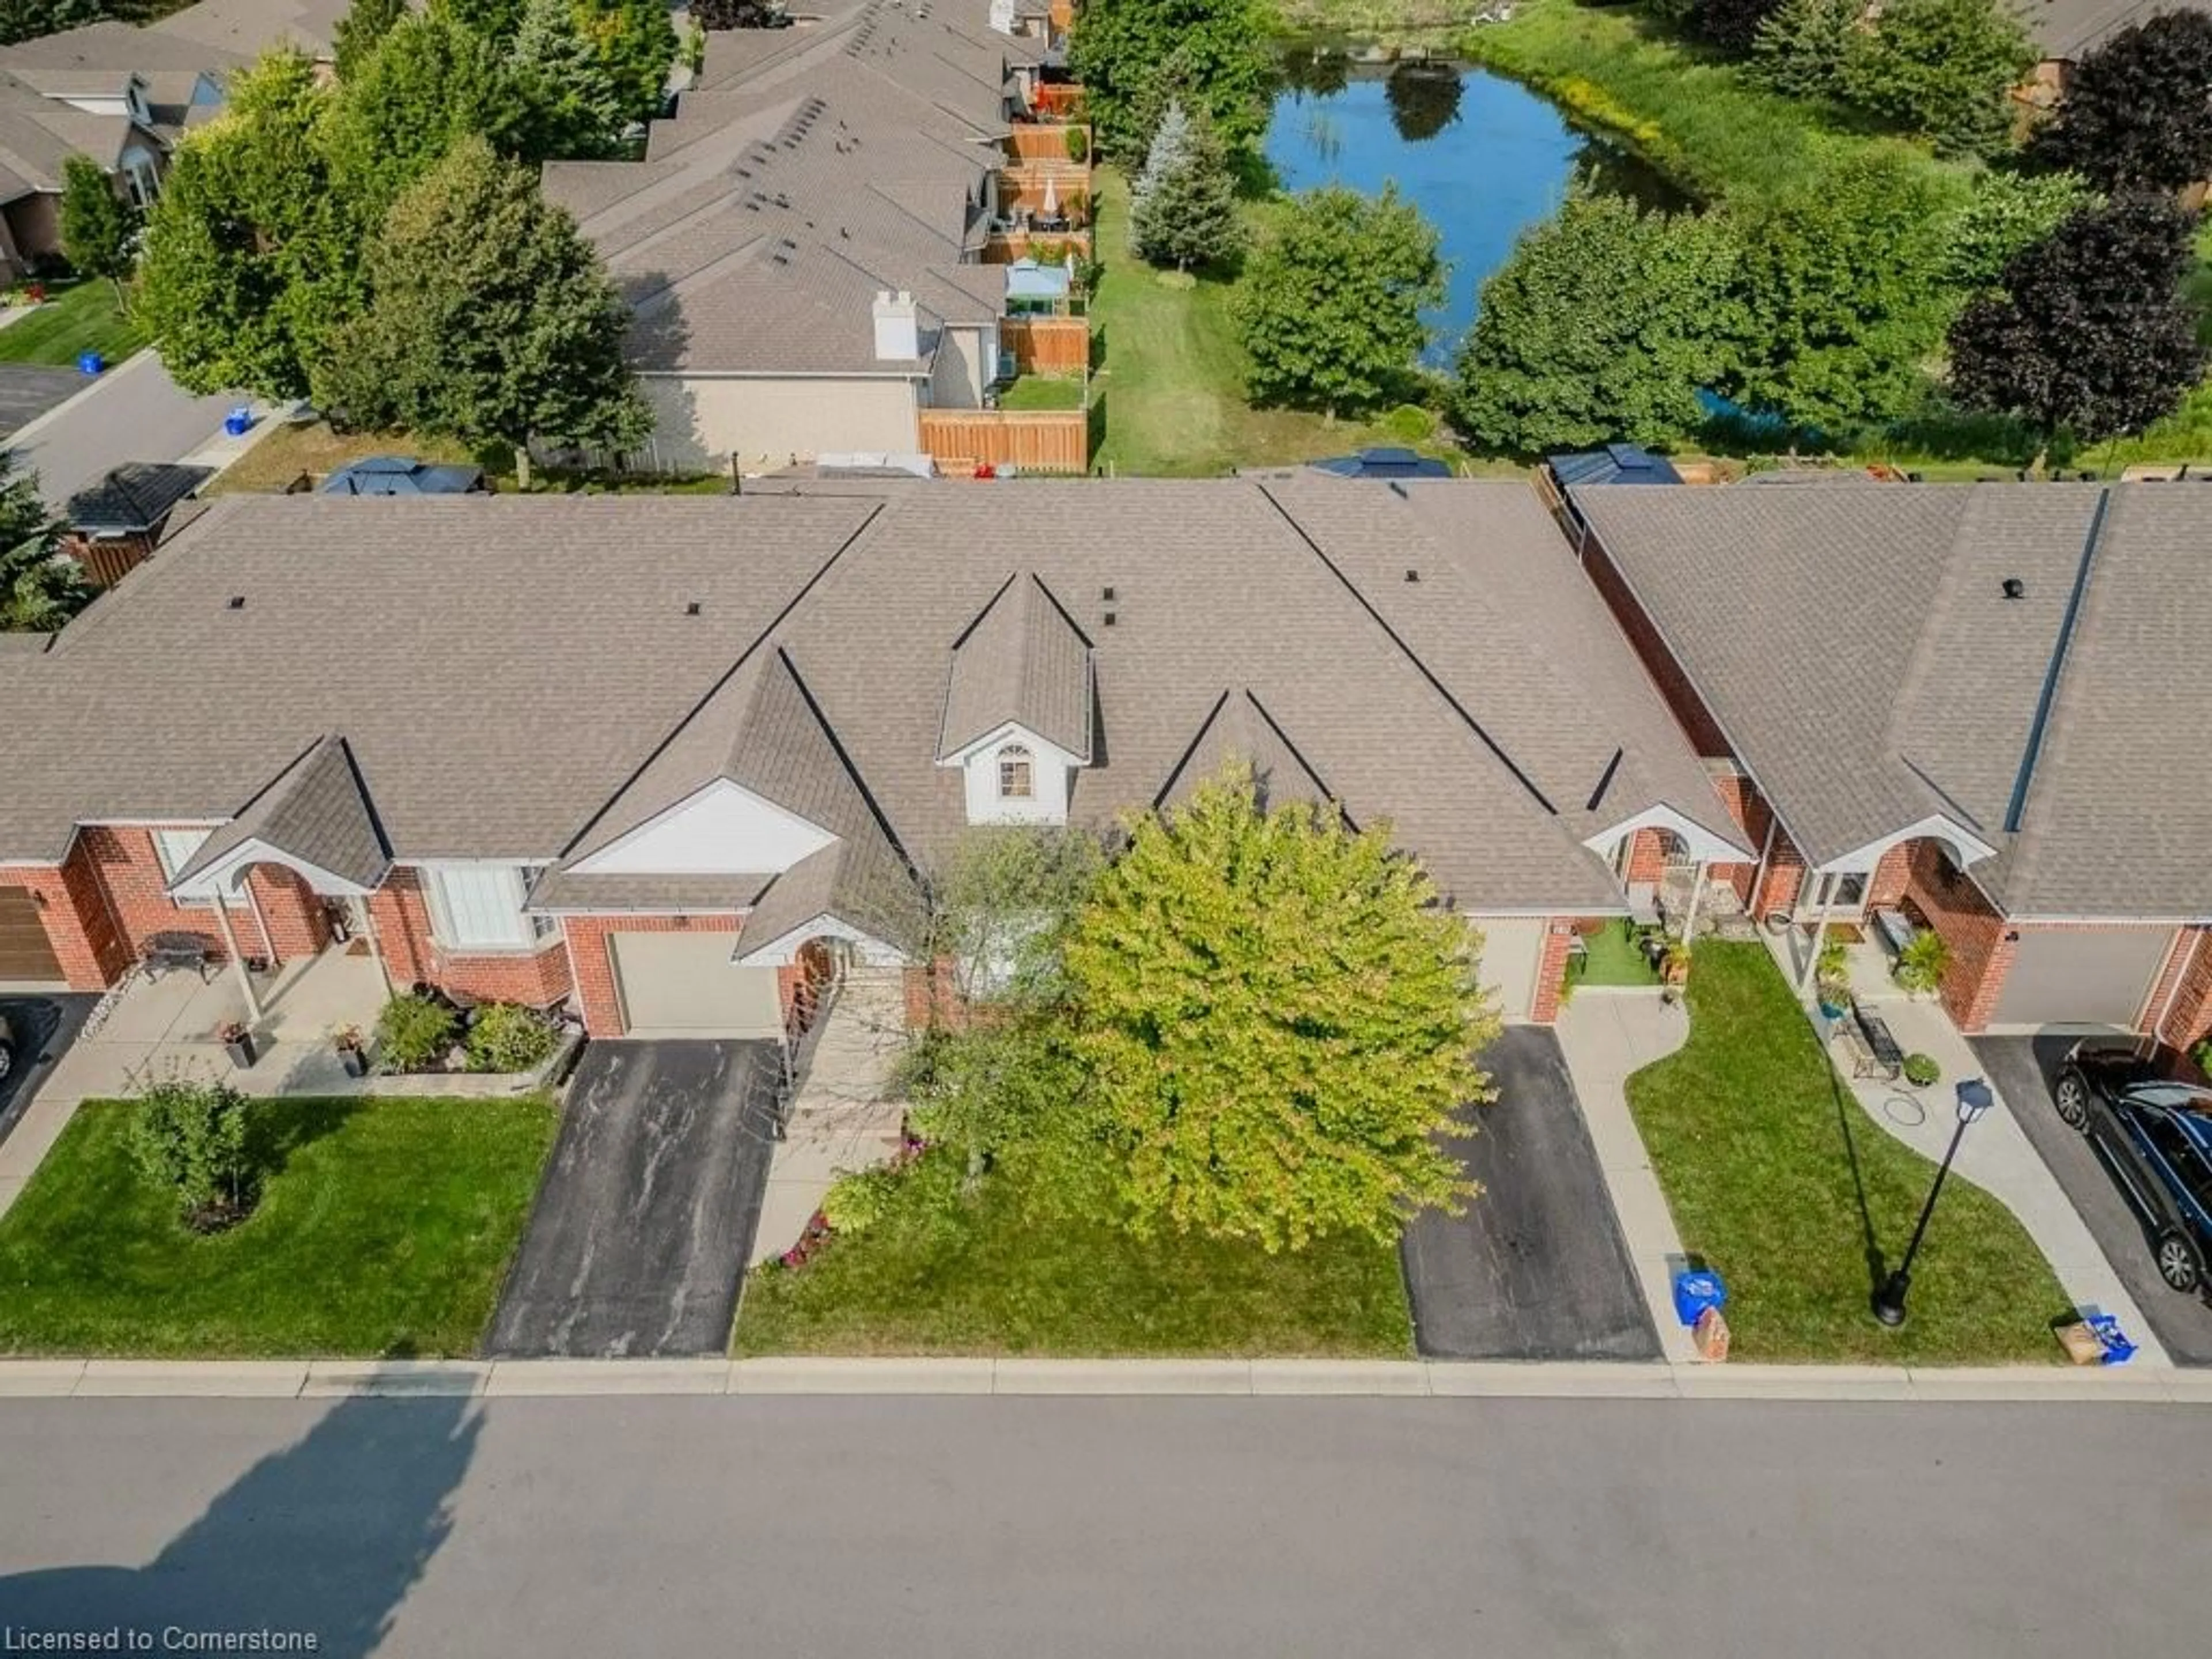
point(1878, 1055)
point(163, 953)
point(1896, 929)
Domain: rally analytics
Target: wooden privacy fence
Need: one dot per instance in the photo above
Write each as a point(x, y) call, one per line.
point(1036, 143)
point(1003, 247)
point(1061, 98)
point(1045, 440)
point(1048, 345)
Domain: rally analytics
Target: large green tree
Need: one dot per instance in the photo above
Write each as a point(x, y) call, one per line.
point(360, 31)
point(1842, 283)
point(1942, 69)
point(1182, 207)
point(39, 588)
point(1604, 325)
point(491, 321)
point(2005, 214)
point(250, 252)
point(2091, 335)
point(430, 81)
point(1331, 305)
point(1134, 57)
point(100, 229)
point(572, 107)
point(26, 19)
point(1279, 1020)
point(634, 44)
point(2138, 109)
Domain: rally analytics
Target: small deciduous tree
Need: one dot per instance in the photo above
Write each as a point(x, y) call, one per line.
point(100, 229)
point(1943, 70)
point(2138, 109)
point(2007, 213)
point(1331, 305)
point(492, 320)
point(2092, 334)
point(1182, 207)
point(190, 1139)
point(1604, 325)
point(360, 31)
point(1280, 1020)
point(634, 45)
point(41, 588)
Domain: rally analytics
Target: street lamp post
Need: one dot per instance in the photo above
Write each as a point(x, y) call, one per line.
point(1974, 1099)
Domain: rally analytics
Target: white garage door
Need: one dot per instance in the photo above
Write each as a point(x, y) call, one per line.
point(2089, 976)
point(685, 985)
point(1512, 946)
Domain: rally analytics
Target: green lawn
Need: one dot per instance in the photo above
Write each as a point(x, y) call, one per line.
point(1040, 392)
point(1779, 1180)
point(1169, 392)
point(938, 1276)
point(384, 1228)
point(1610, 957)
point(78, 318)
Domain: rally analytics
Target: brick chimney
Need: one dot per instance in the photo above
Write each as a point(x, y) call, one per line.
point(898, 327)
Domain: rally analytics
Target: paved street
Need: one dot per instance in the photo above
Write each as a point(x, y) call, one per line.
point(135, 413)
point(921, 1526)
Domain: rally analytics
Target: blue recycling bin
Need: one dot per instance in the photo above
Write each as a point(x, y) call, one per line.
point(1696, 1290)
point(90, 362)
point(239, 421)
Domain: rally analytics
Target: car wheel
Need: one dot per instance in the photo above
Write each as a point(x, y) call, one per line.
point(2072, 1096)
point(2177, 1261)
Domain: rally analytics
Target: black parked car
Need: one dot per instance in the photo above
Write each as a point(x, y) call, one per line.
point(2152, 1125)
point(10, 1038)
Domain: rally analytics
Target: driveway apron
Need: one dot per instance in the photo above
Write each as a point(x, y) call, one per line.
point(45, 1027)
point(2023, 1069)
point(638, 1242)
point(1537, 1268)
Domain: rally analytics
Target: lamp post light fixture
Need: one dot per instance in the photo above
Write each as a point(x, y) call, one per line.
point(1974, 1099)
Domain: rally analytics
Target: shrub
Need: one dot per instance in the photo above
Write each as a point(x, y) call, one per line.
point(2202, 1054)
point(1078, 144)
point(414, 1031)
point(191, 1138)
point(1921, 963)
point(507, 1037)
point(1920, 1070)
point(856, 1202)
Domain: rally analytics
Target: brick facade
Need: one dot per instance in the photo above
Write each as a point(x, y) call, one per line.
point(2181, 1002)
point(401, 915)
point(79, 925)
point(1551, 969)
point(282, 921)
point(1982, 946)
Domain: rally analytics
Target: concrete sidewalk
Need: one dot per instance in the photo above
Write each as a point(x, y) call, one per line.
point(1239, 1378)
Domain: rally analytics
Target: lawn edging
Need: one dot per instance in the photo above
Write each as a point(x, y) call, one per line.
point(82, 1379)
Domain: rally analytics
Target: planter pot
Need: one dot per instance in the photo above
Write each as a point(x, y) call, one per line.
point(241, 1051)
point(355, 1062)
point(1833, 1011)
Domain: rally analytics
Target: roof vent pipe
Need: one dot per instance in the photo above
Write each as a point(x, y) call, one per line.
point(237, 602)
point(2014, 588)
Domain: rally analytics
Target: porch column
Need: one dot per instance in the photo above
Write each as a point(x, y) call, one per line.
point(1759, 877)
point(1690, 911)
point(376, 943)
point(1819, 937)
point(237, 960)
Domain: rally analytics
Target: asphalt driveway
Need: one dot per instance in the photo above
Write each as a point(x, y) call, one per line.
point(29, 390)
point(1537, 1268)
point(2023, 1068)
point(45, 1027)
point(638, 1242)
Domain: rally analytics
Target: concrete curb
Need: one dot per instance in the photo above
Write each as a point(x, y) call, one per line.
point(516, 1379)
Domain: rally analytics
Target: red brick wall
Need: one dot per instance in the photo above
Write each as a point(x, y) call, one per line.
point(1647, 856)
point(591, 957)
point(2189, 1016)
point(536, 978)
point(78, 925)
point(1551, 969)
point(1892, 878)
point(1690, 710)
point(1981, 954)
point(130, 870)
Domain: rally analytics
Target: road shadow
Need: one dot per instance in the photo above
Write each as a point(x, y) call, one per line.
point(327, 1537)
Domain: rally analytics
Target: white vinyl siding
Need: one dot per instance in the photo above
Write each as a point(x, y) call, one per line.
point(479, 907)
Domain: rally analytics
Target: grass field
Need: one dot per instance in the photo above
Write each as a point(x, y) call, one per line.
point(384, 1228)
point(940, 1275)
point(75, 318)
point(1044, 392)
point(1780, 1181)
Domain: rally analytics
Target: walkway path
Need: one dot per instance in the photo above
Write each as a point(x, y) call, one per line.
point(1996, 1155)
point(1608, 1035)
point(842, 1119)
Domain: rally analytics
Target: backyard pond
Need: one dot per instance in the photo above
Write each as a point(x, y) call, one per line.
point(1483, 157)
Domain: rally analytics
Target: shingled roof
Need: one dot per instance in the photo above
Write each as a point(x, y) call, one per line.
point(315, 813)
point(1023, 660)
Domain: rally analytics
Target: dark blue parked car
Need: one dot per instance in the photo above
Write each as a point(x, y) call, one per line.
point(2153, 1127)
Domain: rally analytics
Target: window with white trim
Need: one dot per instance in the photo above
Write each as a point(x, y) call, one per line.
point(479, 907)
point(175, 848)
point(1016, 773)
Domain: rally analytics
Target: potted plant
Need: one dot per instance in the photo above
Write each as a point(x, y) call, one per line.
point(238, 1038)
point(1832, 973)
point(1674, 961)
point(1922, 1072)
point(1921, 963)
point(353, 1053)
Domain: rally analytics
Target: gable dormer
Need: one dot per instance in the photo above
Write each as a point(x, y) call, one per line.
point(1018, 706)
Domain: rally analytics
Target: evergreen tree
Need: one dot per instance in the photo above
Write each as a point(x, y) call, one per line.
point(360, 31)
point(1602, 326)
point(634, 45)
point(39, 587)
point(430, 81)
point(1943, 70)
point(573, 108)
point(2093, 334)
point(26, 20)
point(1280, 1021)
point(1135, 56)
point(1182, 209)
point(100, 229)
point(1801, 46)
point(2138, 110)
point(492, 321)
point(1331, 304)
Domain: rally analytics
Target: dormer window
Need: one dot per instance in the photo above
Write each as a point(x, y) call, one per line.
point(1016, 773)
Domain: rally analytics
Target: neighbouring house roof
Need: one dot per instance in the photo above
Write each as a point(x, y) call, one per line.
point(526, 678)
point(1383, 463)
point(1858, 650)
point(241, 30)
point(1615, 463)
point(402, 475)
point(38, 134)
point(315, 813)
point(134, 497)
point(2069, 29)
point(122, 47)
point(1023, 660)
